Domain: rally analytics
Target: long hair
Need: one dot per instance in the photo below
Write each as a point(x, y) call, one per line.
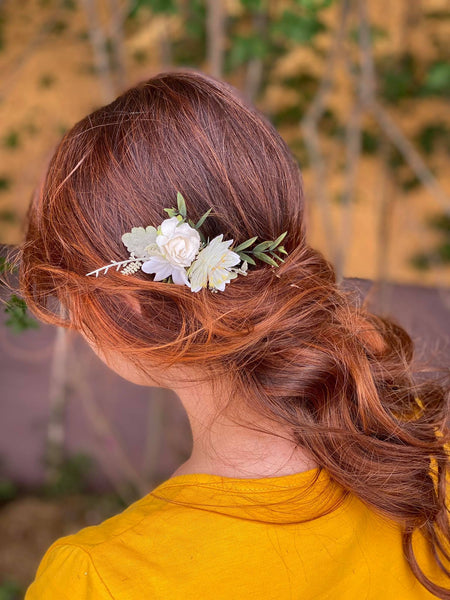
point(295, 346)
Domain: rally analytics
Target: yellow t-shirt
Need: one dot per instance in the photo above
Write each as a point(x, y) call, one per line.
point(201, 536)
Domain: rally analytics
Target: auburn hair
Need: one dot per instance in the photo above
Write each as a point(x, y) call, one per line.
point(294, 344)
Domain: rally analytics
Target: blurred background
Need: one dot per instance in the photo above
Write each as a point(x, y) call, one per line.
point(360, 91)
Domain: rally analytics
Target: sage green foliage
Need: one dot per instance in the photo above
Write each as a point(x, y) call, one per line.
point(437, 80)
point(403, 76)
point(8, 490)
point(5, 183)
point(156, 6)
point(299, 23)
point(6, 266)
point(191, 48)
point(70, 477)
point(11, 590)
point(439, 255)
point(12, 139)
point(181, 205)
point(19, 319)
point(259, 251)
point(8, 216)
point(181, 211)
point(432, 135)
point(300, 28)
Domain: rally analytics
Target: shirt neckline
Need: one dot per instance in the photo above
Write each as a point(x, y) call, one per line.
point(285, 480)
point(292, 498)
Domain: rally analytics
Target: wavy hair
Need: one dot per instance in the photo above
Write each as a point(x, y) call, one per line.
point(296, 346)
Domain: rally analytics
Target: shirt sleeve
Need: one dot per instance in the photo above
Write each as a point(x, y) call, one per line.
point(67, 572)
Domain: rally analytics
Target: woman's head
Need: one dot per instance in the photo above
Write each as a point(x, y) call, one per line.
point(119, 168)
point(291, 344)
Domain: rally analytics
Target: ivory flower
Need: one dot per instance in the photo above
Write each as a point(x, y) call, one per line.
point(140, 241)
point(178, 242)
point(213, 265)
point(163, 268)
point(177, 245)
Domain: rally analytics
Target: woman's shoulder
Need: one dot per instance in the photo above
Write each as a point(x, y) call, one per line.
point(164, 541)
point(67, 571)
point(71, 566)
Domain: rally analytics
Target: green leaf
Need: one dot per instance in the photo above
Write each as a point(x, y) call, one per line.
point(438, 79)
point(281, 249)
point(314, 5)
point(245, 244)
point(6, 266)
point(202, 219)
point(156, 6)
point(19, 320)
point(265, 258)
point(301, 29)
point(244, 256)
point(279, 239)
point(251, 4)
point(181, 205)
point(70, 476)
point(10, 590)
point(172, 212)
point(276, 256)
point(246, 48)
point(262, 246)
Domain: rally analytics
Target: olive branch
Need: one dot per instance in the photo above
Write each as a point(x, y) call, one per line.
point(259, 251)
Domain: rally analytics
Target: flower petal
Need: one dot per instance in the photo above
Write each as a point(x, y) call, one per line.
point(179, 277)
point(138, 239)
point(159, 266)
point(168, 226)
point(219, 277)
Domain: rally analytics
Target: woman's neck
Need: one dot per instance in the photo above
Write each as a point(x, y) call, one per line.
point(223, 446)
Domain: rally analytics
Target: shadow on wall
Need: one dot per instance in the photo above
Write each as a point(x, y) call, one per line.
point(136, 434)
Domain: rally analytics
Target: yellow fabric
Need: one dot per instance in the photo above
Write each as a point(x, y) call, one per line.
point(240, 540)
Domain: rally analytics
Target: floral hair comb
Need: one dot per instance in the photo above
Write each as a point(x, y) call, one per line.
point(177, 252)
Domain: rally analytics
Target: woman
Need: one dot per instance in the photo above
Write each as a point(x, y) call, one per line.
point(318, 467)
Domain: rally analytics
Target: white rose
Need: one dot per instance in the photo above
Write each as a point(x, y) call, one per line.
point(178, 242)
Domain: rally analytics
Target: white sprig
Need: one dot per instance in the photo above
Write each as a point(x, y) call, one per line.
point(116, 264)
point(131, 268)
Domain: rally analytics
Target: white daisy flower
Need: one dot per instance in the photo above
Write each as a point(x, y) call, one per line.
point(213, 265)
